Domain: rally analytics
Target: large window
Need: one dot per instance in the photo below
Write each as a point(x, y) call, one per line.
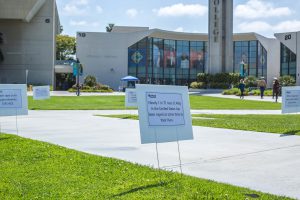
point(250, 58)
point(197, 54)
point(287, 61)
point(137, 59)
point(183, 62)
point(164, 61)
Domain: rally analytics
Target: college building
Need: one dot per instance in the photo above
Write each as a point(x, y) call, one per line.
point(27, 41)
point(164, 57)
point(27, 50)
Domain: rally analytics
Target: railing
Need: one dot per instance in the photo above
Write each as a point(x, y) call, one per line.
point(64, 62)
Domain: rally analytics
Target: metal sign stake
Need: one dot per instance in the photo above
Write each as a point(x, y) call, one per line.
point(156, 148)
point(17, 121)
point(178, 148)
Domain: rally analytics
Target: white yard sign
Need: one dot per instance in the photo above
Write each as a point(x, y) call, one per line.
point(41, 92)
point(164, 113)
point(291, 99)
point(13, 99)
point(130, 98)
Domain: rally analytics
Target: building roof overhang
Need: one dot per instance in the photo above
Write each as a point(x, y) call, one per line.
point(20, 9)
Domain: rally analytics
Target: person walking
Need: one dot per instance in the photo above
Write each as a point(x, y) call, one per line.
point(273, 93)
point(262, 86)
point(242, 88)
point(276, 89)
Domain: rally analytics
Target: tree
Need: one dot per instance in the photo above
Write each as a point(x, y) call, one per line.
point(65, 47)
point(109, 27)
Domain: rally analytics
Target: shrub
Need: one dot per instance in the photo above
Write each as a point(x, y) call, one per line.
point(216, 85)
point(90, 80)
point(251, 81)
point(235, 91)
point(257, 92)
point(85, 87)
point(198, 85)
point(101, 87)
point(287, 81)
point(234, 78)
point(232, 91)
point(194, 85)
point(202, 77)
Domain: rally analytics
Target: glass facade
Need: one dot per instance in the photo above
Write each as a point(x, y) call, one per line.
point(177, 62)
point(169, 62)
point(250, 58)
point(287, 61)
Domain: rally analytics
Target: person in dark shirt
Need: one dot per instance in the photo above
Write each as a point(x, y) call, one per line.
point(242, 88)
point(276, 89)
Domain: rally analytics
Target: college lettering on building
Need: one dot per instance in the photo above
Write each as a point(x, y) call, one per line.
point(215, 18)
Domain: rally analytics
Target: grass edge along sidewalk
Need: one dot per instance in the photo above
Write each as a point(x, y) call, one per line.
point(280, 124)
point(38, 170)
point(117, 103)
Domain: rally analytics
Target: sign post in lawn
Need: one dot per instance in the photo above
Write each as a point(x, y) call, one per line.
point(41, 92)
point(130, 98)
point(13, 100)
point(291, 99)
point(164, 114)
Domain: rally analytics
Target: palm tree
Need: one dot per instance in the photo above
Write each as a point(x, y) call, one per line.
point(109, 27)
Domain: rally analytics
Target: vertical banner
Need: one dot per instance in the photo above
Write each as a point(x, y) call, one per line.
point(41, 92)
point(130, 97)
point(291, 99)
point(13, 99)
point(164, 113)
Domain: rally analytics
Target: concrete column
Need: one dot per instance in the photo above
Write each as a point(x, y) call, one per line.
point(220, 36)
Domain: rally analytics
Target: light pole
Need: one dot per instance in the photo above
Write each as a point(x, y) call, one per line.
point(77, 77)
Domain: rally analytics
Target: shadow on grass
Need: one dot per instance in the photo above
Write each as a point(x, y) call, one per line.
point(290, 133)
point(4, 137)
point(142, 188)
point(252, 195)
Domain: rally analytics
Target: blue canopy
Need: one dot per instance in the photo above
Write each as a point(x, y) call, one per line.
point(129, 78)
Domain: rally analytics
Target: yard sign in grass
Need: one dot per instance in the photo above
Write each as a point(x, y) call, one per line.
point(13, 99)
point(291, 99)
point(164, 113)
point(130, 98)
point(41, 92)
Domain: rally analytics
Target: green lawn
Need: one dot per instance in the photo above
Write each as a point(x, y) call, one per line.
point(215, 103)
point(37, 170)
point(78, 103)
point(282, 124)
point(117, 102)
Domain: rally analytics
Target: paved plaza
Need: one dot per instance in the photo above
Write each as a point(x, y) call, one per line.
point(260, 161)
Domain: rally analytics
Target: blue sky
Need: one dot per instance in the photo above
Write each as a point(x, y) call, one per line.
point(262, 16)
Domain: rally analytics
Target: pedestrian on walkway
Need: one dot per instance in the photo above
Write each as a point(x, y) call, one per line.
point(262, 86)
point(273, 94)
point(276, 89)
point(242, 88)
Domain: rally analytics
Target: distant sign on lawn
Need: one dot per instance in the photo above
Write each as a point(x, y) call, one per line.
point(130, 98)
point(41, 92)
point(164, 113)
point(13, 99)
point(291, 99)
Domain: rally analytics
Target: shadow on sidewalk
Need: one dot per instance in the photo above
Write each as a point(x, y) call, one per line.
point(290, 133)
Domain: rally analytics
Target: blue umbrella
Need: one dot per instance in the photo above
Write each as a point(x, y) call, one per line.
point(129, 78)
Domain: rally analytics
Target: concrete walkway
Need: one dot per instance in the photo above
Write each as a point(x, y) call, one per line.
point(69, 94)
point(254, 98)
point(260, 161)
point(229, 112)
point(208, 93)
